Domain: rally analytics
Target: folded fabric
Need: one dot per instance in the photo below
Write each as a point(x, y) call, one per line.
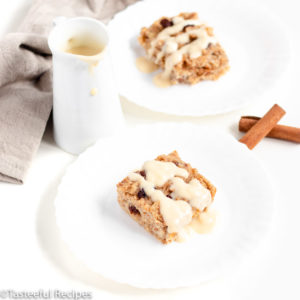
point(26, 79)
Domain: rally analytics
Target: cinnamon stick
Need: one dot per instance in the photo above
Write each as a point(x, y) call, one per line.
point(282, 132)
point(262, 127)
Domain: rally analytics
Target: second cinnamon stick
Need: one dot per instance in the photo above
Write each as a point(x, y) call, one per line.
point(263, 126)
point(282, 132)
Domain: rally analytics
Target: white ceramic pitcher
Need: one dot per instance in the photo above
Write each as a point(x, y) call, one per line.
point(86, 105)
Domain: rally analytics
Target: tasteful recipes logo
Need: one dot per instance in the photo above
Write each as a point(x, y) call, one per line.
point(45, 294)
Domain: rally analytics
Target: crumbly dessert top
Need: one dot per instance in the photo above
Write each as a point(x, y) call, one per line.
point(177, 207)
point(179, 36)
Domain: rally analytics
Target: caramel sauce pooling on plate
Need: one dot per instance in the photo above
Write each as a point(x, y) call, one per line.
point(205, 222)
point(145, 65)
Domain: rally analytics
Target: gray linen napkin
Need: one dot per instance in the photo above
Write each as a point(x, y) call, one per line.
point(26, 79)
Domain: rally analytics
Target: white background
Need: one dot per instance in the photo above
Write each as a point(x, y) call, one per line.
point(32, 256)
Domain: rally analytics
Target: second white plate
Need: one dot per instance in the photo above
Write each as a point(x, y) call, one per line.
point(109, 242)
point(255, 41)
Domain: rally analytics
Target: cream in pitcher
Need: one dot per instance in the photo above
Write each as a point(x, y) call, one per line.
point(86, 105)
point(83, 46)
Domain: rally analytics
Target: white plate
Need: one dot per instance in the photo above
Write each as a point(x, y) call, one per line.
point(109, 242)
point(253, 38)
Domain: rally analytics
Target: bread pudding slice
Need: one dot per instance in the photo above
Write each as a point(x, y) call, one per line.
point(165, 195)
point(185, 48)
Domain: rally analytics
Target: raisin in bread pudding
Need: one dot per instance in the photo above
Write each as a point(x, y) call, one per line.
point(184, 48)
point(165, 196)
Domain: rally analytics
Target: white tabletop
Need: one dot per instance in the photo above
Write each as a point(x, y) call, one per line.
point(32, 256)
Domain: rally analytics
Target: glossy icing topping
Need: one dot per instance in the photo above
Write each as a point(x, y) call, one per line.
point(192, 42)
point(177, 214)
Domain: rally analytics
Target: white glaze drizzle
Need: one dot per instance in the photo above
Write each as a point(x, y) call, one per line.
point(159, 172)
point(176, 213)
point(194, 192)
point(171, 43)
